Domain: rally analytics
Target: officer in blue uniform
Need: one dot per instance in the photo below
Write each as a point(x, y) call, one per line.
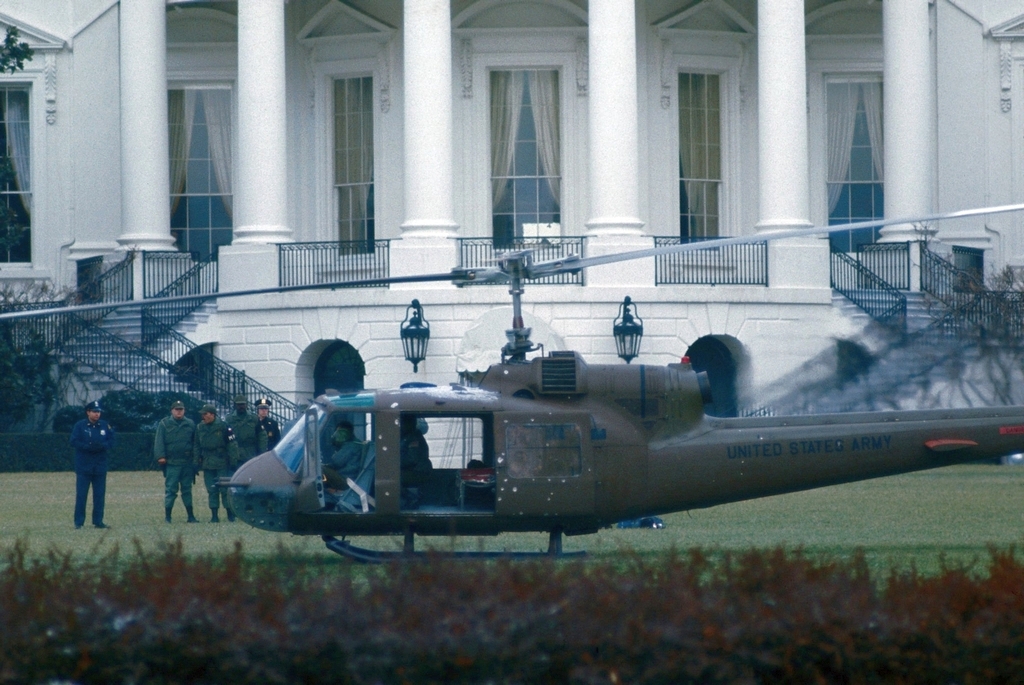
point(92, 438)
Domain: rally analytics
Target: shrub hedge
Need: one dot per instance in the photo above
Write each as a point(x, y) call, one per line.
point(761, 616)
point(53, 452)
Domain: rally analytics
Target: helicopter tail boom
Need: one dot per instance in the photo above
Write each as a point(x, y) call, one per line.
point(740, 459)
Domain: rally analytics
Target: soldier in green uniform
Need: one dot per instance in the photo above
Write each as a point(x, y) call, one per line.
point(172, 446)
point(216, 453)
point(249, 436)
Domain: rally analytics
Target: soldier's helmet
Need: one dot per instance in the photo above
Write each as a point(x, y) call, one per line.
point(208, 409)
point(94, 406)
point(240, 399)
point(178, 405)
point(263, 402)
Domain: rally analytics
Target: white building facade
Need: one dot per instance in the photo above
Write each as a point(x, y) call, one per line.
point(420, 135)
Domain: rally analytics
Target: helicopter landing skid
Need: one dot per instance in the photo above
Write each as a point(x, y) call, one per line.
point(371, 556)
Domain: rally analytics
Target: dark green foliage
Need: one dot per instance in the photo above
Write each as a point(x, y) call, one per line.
point(131, 411)
point(12, 53)
point(31, 374)
point(760, 616)
point(53, 452)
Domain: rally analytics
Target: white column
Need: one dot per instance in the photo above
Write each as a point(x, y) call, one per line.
point(784, 195)
point(614, 224)
point(782, 115)
point(261, 191)
point(145, 167)
point(427, 244)
point(907, 114)
point(614, 155)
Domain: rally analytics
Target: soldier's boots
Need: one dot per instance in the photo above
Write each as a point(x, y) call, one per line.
point(191, 515)
point(231, 516)
point(214, 518)
point(167, 514)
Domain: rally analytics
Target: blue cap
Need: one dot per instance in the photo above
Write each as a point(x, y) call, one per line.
point(93, 406)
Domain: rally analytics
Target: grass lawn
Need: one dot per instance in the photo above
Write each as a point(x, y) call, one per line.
point(915, 519)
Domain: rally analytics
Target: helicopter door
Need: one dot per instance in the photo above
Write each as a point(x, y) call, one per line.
point(545, 464)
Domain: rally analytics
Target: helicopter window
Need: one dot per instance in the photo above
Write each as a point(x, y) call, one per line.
point(458, 475)
point(454, 441)
point(543, 450)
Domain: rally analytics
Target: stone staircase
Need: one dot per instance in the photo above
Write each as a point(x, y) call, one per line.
point(114, 347)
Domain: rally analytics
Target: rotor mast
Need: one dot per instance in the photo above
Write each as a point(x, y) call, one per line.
point(519, 344)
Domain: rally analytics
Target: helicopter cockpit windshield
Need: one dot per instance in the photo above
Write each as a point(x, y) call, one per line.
point(291, 448)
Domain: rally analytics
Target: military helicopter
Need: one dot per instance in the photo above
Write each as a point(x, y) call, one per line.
point(554, 444)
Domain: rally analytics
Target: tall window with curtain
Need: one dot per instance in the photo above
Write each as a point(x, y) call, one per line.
point(200, 146)
point(525, 155)
point(855, 156)
point(700, 155)
point(15, 176)
point(353, 161)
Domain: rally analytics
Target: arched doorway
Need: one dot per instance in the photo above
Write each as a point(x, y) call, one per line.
point(711, 355)
point(339, 367)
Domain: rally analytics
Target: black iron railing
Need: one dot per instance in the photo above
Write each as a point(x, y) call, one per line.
point(867, 290)
point(209, 376)
point(482, 252)
point(160, 269)
point(723, 265)
point(971, 308)
point(970, 259)
point(113, 285)
point(329, 262)
point(888, 261)
point(200, 279)
point(196, 366)
point(941, 279)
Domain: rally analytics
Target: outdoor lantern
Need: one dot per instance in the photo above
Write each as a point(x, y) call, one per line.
point(415, 334)
point(628, 330)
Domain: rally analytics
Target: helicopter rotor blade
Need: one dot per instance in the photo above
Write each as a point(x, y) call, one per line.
point(521, 262)
point(575, 263)
point(466, 275)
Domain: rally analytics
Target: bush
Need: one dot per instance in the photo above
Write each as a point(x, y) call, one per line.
point(131, 411)
point(760, 616)
point(52, 452)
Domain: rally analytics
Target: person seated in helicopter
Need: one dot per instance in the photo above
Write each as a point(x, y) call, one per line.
point(347, 458)
point(414, 458)
point(415, 455)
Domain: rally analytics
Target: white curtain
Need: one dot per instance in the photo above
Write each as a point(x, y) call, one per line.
point(506, 108)
point(217, 108)
point(544, 98)
point(872, 93)
point(181, 111)
point(18, 141)
point(842, 115)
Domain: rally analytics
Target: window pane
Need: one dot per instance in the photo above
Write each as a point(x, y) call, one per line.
point(199, 211)
point(851, 179)
point(525, 147)
point(197, 148)
point(353, 157)
point(700, 155)
point(219, 216)
point(543, 451)
point(15, 174)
